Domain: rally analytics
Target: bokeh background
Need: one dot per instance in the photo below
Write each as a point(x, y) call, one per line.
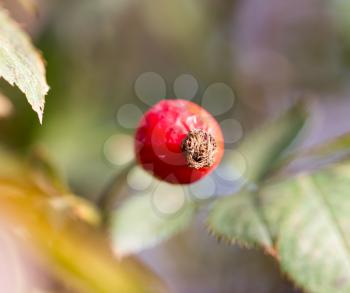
point(270, 53)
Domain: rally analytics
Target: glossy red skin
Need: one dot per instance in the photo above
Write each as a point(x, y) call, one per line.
point(160, 134)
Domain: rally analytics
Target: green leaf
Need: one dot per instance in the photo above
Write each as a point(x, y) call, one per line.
point(138, 225)
point(251, 219)
point(21, 64)
point(319, 156)
point(237, 219)
point(302, 221)
point(332, 147)
point(262, 148)
point(314, 238)
point(307, 218)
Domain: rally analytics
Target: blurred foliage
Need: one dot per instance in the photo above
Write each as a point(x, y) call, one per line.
point(56, 228)
point(270, 52)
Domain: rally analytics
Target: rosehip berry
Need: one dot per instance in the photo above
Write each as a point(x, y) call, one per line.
point(178, 141)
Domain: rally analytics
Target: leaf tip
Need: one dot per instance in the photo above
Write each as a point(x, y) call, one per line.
point(39, 109)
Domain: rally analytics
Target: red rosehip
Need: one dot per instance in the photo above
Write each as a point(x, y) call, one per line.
point(178, 141)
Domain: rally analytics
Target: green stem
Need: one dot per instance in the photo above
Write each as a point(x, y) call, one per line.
point(112, 193)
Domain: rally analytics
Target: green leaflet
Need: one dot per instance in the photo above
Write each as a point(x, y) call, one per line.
point(313, 242)
point(308, 220)
point(237, 219)
point(318, 156)
point(137, 224)
point(262, 148)
point(251, 219)
point(304, 221)
point(21, 64)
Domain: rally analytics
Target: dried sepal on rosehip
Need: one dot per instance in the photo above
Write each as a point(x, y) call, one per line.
point(178, 141)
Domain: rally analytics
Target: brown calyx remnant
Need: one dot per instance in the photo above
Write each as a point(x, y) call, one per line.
point(199, 148)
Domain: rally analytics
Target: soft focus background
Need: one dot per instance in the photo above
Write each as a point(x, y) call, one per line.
point(269, 53)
